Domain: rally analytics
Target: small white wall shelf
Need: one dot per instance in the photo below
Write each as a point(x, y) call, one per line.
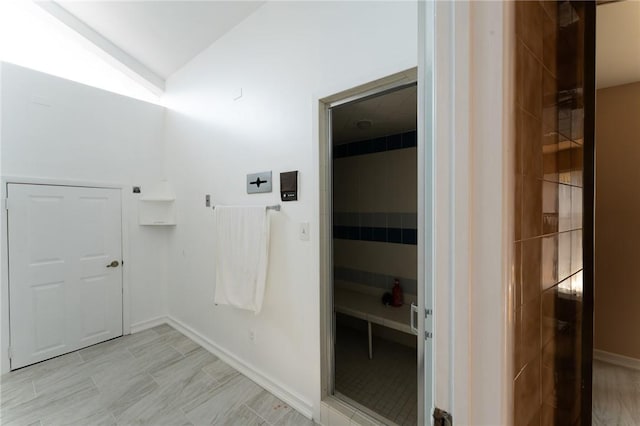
point(158, 208)
point(157, 211)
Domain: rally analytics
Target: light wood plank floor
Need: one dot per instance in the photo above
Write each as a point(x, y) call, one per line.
point(155, 377)
point(616, 395)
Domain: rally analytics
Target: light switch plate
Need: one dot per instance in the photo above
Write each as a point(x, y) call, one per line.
point(303, 232)
point(259, 182)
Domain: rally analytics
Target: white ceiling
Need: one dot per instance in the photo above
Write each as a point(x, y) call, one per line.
point(162, 35)
point(617, 43)
point(391, 113)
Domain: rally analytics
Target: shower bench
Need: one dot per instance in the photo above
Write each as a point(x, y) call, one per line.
point(368, 307)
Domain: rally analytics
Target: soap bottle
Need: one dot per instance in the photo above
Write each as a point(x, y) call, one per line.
point(396, 293)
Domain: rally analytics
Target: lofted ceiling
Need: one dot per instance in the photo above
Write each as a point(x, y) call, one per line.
point(390, 113)
point(617, 43)
point(161, 35)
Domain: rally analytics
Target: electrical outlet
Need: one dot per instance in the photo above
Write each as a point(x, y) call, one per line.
point(252, 336)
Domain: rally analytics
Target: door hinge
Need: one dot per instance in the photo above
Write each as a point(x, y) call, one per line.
point(428, 334)
point(442, 418)
point(6, 204)
point(10, 352)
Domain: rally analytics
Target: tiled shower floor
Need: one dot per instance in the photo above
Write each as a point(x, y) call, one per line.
point(387, 384)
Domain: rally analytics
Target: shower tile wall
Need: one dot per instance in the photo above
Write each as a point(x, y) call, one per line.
point(375, 212)
point(548, 206)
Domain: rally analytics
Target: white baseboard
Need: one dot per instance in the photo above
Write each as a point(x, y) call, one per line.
point(150, 323)
point(621, 360)
point(299, 404)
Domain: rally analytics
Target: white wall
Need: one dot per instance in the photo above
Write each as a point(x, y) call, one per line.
point(284, 57)
point(59, 129)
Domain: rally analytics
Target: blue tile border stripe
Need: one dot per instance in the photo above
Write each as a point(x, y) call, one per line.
point(381, 144)
point(376, 220)
point(372, 279)
point(383, 235)
point(398, 228)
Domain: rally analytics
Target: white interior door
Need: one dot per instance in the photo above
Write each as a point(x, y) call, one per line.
point(64, 291)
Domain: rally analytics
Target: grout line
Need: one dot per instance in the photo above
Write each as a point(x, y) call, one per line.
point(182, 411)
point(130, 353)
point(95, 385)
point(153, 379)
point(256, 413)
point(547, 235)
point(211, 376)
point(558, 182)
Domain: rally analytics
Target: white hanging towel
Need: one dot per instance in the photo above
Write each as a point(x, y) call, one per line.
point(242, 255)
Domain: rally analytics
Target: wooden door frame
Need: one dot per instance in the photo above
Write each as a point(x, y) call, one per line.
point(125, 206)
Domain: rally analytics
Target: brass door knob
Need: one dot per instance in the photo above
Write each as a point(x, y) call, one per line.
point(113, 264)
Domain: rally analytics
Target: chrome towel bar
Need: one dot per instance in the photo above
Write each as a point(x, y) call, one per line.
point(275, 207)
